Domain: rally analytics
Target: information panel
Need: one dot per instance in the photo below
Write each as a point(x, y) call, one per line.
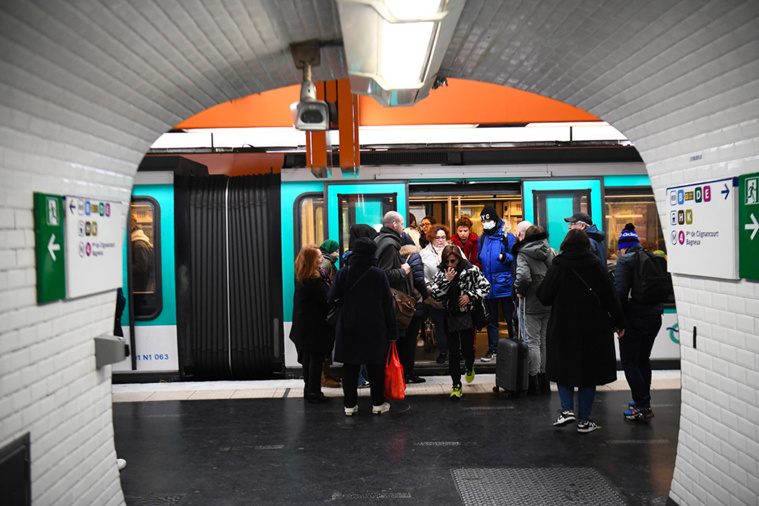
point(48, 231)
point(702, 228)
point(94, 244)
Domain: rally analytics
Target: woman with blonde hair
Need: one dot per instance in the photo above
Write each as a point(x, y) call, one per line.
point(310, 332)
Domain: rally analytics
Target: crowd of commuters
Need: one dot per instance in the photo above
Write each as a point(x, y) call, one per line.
point(568, 307)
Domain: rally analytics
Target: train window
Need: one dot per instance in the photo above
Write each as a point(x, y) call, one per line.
point(447, 209)
point(636, 206)
point(145, 267)
point(368, 208)
point(310, 220)
point(552, 206)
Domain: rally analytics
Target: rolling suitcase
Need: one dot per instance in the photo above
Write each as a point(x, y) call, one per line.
point(512, 362)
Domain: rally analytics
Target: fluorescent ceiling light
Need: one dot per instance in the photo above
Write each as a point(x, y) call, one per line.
point(394, 48)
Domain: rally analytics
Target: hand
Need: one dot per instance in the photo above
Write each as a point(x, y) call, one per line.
point(450, 273)
point(406, 268)
point(620, 333)
point(429, 290)
point(520, 296)
point(463, 300)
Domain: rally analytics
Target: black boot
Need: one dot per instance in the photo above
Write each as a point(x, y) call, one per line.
point(532, 386)
point(544, 384)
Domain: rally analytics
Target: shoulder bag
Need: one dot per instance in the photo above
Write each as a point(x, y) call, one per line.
point(405, 306)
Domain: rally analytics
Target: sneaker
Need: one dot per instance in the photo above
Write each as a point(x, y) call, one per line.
point(469, 375)
point(456, 392)
point(442, 358)
point(635, 413)
point(382, 408)
point(365, 384)
point(351, 411)
point(585, 426)
point(565, 417)
point(415, 379)
point(490, 355)
point(121, 464)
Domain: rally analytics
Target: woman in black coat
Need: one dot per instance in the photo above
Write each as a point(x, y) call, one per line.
point(310, 332)
point(365, 324)
point(584, 315)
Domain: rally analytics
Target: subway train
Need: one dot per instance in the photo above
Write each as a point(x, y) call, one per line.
point(217, 301)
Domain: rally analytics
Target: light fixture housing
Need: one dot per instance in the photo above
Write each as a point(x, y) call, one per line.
point(394, 48)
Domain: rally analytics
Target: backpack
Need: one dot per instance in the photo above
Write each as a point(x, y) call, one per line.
point(651, 283)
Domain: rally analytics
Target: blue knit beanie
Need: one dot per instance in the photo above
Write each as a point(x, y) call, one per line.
point(628, 237)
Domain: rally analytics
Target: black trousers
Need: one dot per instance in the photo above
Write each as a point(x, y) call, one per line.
point(635, 352)
point(465, 341)
point(312, 372)
point(376, 384)
point(407, 345)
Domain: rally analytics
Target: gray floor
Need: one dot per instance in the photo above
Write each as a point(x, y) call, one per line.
point(483, 449)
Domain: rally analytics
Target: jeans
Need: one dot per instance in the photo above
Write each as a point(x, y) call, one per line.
point(508, 312)
point(535, 332)
point(635, 352)
point(464, 340)
point(376, 384)
point(438, 319)
point(585, 396)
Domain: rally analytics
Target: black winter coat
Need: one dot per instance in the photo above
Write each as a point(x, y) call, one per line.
point(580, 344)
point(310, 331)
point(410, 254)
point(366, 323)
point(389, 257)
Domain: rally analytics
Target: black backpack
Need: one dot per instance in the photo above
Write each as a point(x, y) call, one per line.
point(651, 283)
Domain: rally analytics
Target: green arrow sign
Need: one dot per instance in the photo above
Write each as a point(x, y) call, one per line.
point(748, 226)
point(48, 231)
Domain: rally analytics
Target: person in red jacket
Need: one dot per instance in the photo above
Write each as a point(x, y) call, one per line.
point(466, 240)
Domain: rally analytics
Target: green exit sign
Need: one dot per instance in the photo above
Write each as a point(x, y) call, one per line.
point(48, 232)
point(748, 226)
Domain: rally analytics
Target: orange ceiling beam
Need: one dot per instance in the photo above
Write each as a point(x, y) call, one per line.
point(461, 102)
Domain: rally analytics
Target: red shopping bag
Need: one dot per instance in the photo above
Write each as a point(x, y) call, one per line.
point(395, 383)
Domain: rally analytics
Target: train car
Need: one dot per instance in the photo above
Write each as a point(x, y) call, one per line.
point(221, 303)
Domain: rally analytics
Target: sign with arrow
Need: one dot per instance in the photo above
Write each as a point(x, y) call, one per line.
point(702, 236)
point(50, 255)
point(748, 225)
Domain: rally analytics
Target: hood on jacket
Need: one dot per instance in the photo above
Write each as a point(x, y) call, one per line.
point(594, 233)
point(408, 249)
point(536, 246)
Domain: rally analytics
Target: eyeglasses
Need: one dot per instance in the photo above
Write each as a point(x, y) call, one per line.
point(452, 261)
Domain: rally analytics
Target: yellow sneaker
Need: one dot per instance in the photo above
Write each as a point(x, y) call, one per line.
point(456, 392)
point(469, 375)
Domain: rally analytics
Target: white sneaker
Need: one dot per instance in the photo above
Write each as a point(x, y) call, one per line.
point(351, 411)
point(121, 464)
point(382, 408)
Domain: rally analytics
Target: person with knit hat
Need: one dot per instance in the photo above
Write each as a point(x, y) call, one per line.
point(495, 258)
point(330, 252)
point(642, 324)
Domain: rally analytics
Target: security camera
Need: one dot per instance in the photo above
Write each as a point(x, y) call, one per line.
point(312, 115)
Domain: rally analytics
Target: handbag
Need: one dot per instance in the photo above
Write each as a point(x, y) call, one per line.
point(334, 310)
point(395, 383)
point(458, 321)
point(404, 305)
point(480, 314)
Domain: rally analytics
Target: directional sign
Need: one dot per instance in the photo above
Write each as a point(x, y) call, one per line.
point(51, 262)
point(703, 228)
point(748, 225)
point(94, 244)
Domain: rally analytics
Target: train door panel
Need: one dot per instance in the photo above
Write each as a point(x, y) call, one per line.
point(149, 318)
point(351, 204)
point(547, 203)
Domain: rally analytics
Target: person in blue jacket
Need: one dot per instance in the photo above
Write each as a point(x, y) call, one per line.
point(495, 258)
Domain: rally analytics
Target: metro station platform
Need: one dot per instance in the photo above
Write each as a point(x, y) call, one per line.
point(258, 442)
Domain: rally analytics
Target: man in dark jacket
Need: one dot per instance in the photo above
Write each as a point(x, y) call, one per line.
point(584, 222)
point(388, 251)
point(642, 324)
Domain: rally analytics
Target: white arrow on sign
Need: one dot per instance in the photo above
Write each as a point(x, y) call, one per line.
point(52, 247)
point(753, 226)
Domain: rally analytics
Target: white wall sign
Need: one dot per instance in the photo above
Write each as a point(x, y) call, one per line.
point(94, 242)
point(702, 221)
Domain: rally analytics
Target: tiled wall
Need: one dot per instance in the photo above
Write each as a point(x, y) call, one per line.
point(86, 87)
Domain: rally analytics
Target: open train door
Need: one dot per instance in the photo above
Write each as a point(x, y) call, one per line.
point(547, 203)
